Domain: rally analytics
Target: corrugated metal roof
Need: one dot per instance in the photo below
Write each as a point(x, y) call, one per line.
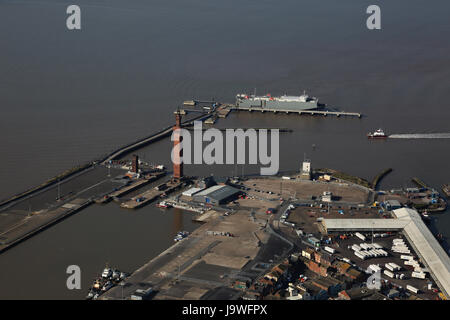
point(192, 191)
point(427, 247)
point(363, 224)
point(218, 192)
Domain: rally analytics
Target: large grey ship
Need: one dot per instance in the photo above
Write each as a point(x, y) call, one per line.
point(285, 102)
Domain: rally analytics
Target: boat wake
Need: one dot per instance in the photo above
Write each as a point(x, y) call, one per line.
point(420, 136)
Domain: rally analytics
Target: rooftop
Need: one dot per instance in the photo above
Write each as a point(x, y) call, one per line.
point(417, 233)
point(363, 224)
point(218, 192)
point(426, 246)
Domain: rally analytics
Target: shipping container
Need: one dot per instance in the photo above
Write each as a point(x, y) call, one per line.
point(412, 263)
point(355, 247)
point(359, 235)
point(404, 257)
point(395, 266)
point(412, 289)
point(364, 246)
point(375, 268)
point(330, 250)
point(388, 266)
point(419, 275)
point(374, 253)
point(388, 273)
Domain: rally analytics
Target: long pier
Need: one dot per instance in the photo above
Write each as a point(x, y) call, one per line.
point(300, 112)
point(145, 141)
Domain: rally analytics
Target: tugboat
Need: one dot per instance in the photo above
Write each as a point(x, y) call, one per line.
point(107, 272)
point(163, 204)
point(378, 134)
point(425, 216)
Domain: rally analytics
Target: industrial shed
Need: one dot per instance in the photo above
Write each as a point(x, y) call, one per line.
point(216, 195)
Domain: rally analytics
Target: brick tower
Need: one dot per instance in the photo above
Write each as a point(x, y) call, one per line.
point(135, 164)
point(177, 168)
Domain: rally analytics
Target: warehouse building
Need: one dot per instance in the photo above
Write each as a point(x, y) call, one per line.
point(409, 222)
point(216, 195)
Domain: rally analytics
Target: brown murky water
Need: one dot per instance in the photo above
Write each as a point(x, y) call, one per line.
point(68, 97)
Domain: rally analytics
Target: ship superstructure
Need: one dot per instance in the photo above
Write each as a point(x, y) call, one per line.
point(285, 102)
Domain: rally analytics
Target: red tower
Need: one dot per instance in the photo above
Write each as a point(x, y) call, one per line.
point(177, 168)
point(135, 164)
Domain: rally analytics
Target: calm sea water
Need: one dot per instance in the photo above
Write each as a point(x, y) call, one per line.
point(67, 97)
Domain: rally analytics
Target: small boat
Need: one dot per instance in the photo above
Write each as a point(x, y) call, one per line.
point(108, 285)
point(163, 204)
point(123, 275)
point(425, 216)
point(97, 285)
point(90, 295)
point(181, 235)
point(378, 134)
point(116, 274)
point(107, 272)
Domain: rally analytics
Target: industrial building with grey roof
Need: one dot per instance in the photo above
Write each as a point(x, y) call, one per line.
point(216, 195)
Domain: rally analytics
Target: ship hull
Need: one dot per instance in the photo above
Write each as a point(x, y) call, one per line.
point(277, 105)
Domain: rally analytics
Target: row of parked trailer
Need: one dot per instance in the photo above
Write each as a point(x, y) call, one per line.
point(368, 250)
point(393, 275)
point(285, 215)
point(399, 246)
point(390, 273)
point(374, 235)
point(392, 266)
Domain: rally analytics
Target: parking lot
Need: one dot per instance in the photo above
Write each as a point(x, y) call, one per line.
point(343, 251)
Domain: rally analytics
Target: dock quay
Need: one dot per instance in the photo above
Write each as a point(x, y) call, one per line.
point(211, 120)
point(30, 225)
point(186, 206)
point(223, 112)
point(420, 183)
point(151, 195)
point(199, 263)
point(139, 183)
point(142, 199)
point(131, 187)
point(254, 128)
point(300, 112)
